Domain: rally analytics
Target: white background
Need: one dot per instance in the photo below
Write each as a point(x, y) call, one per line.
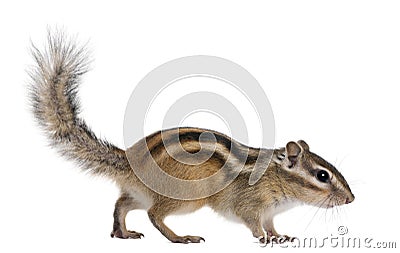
point(329, 68)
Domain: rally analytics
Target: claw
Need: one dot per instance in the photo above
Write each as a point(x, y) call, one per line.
point(188, 239)
point(126, 235)
point(279, 239)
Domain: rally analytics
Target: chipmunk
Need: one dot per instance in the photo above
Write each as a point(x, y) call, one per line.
point(294, 175)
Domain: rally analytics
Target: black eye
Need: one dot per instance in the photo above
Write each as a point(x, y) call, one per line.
point(323, 176)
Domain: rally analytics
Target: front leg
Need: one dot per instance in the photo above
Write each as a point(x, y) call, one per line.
point(274, 236)
point(253, 222)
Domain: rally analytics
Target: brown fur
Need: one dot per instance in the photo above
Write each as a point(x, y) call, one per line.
point(290, 179)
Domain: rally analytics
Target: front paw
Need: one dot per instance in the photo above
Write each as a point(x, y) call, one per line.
point(278, 239)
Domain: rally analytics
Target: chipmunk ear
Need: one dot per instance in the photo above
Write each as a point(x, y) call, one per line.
point(293, 151)
point(304, 145)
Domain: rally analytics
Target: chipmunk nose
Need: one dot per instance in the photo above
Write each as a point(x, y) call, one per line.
point(349, 199)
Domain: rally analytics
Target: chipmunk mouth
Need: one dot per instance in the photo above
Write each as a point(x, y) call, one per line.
point(341, 203)
point(332, 204)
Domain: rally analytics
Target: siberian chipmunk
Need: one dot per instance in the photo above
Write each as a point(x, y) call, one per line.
point(294, 175)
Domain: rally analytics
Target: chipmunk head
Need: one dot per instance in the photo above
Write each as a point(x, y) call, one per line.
point(313, 180)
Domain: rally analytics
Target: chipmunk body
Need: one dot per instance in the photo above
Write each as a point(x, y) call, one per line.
point(294, 175)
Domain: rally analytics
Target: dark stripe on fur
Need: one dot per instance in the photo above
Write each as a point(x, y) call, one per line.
point(295, 179)
point(238, 150)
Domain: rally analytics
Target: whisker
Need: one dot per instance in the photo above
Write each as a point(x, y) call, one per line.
point(330, 217)
point(339, 213)
point(341, 161)
point(329, 203)
point(345, 217)
point(318, 208)
point(335, 212)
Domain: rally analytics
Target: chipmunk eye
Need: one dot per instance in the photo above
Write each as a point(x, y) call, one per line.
point(323, 176)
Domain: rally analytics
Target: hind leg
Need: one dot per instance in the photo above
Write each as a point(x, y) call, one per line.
point(123, 205)
point(157, 214)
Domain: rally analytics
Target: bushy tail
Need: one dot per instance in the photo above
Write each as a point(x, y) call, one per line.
point(55, 79)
